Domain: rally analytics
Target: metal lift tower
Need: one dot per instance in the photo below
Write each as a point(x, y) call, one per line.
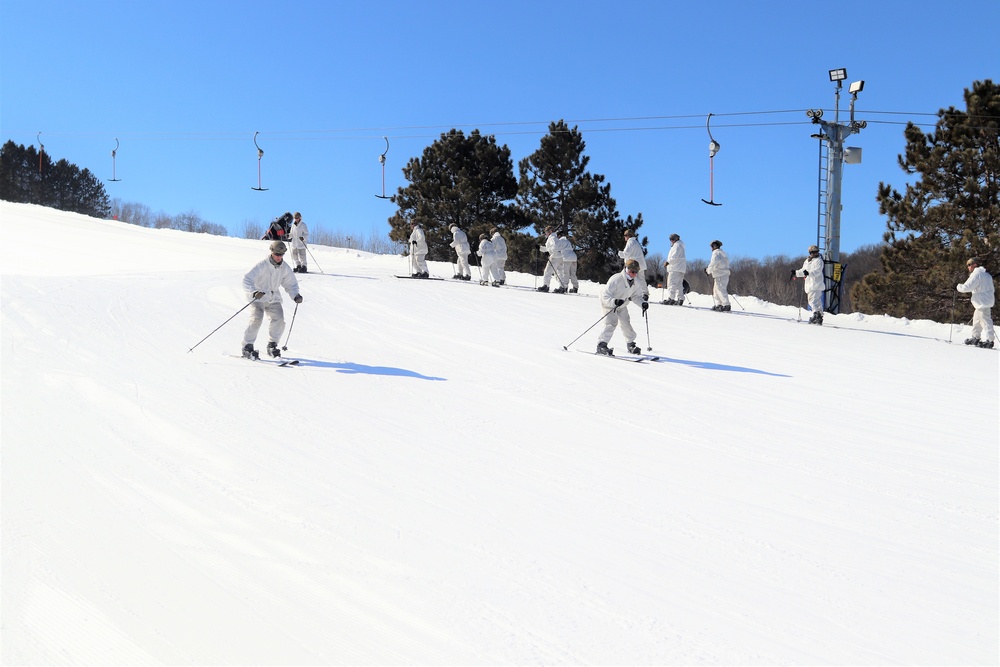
point(832, 156)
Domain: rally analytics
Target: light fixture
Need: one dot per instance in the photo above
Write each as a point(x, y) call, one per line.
point(856, 87)
point(838, 74)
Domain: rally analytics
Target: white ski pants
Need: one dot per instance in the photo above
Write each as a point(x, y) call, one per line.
point(276, 324)
point(616, 318)
point(675, 285)
point(982, 325)
point(721, 290)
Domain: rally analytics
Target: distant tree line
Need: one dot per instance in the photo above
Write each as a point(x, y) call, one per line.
point(142, 215)
point(28, 176)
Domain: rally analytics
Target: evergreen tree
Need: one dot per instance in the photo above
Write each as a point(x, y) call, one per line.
point(556, 189)
point(27, 177)
point(460, 180)
point(951, 213)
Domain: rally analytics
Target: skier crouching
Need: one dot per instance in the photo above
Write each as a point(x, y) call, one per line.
point(621, 288)
point(262, 285)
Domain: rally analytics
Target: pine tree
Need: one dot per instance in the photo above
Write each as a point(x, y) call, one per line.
point(27, 177)
point(557, 190)
point(459, 180)
point(951, 213)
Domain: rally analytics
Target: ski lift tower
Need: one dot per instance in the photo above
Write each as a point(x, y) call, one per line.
point(832, 156)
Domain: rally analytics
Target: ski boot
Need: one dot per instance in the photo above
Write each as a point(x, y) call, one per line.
point(559, 290)
point(573, 290)
point(634, 349)
point(603, 349)
point(303, 269)
point(249, 352)
point(972, 341)
point(988, 344)
point(272, 350)
point(544, 288)
point(726, 309)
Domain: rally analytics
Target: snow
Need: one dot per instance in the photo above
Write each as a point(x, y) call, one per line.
point(439, 482)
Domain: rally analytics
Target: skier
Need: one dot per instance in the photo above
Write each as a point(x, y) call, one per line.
point(813, 283)
point(633, 250)
point(553, 267)
point(980, 284)
point(418, 251)
point(500, 247)
point(299, 234)
point(569, 262)
point(676, 266)
point(621, 288)
point(262, 285)
point(460, 242)
point(278, 229)
point(488, 264)
point(718, 268)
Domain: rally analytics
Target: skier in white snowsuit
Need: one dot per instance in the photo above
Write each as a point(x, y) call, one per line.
point(620, 289)
point(299, 235)
point(718, 268)
point(500, 247)
point(489, 261)
point(569, 263)
point(676, 268)
point(980, 284)
point(813, 283)
point(633, 250)
point(460, 242)
point(262, 283)
point(553, 266)
point(418, 251)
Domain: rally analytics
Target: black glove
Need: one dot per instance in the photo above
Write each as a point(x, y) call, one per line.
point(619, 302)
point(298, 298)
point(792, 277)
point(804, 272)
point(257, 295)
point(413, 243)
point(302, 238)
point(645, 306)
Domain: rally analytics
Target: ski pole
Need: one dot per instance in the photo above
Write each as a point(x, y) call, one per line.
point(951, 324)
point(294, 313)
point(649, 346)
point(314, 260)
point(737, 302)
point(566, 347)
point(222, 325)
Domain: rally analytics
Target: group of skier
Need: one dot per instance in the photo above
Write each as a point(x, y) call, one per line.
point(263, 282)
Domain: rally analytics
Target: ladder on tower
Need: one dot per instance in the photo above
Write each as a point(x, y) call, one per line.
point(822, 209)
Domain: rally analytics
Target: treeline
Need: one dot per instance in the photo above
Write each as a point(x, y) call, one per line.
point(142, 215)
point(29, 176)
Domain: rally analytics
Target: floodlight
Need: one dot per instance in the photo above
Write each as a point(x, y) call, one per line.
point(838, 74)
point(856, 87)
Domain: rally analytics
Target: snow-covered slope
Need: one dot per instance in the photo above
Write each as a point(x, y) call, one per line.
point(440, 482)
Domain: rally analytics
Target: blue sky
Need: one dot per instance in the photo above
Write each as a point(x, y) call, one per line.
point(185, 85)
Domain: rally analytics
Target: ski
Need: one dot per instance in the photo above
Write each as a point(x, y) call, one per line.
point(415, 278)
point(634, 358)
point(277, 361)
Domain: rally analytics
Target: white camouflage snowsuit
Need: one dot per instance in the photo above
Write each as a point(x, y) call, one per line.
point(553, 267)
point(418, 250)
point(460, 242)
point(299, 236)
point(268, 276)
point(718, 268)
point(489, 261)
point(633, 250)
point(814, 284)
point(569, 263)
point(500, 247)
point(676, 268)
point(980, 284)
point(620, 286)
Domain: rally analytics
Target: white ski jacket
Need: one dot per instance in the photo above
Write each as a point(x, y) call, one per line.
point(633, 250)
point(980, 284)
point(676, 261)
point(460, 242)
point(299, 234)
point(500, 246)
point(566, 250)
point(418, 241)
point(267, 277)
point(621, 286)
point(812, 271)
point(719, 264)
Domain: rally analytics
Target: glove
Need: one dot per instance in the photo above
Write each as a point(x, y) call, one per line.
point(302, 238)
point(804, 272)
point(298, 298)
point(645, 307)
point(413, 243)
point(792, 277)
point(666, 264)
point(619, 302)
point(257, 295)
point(708, 272)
